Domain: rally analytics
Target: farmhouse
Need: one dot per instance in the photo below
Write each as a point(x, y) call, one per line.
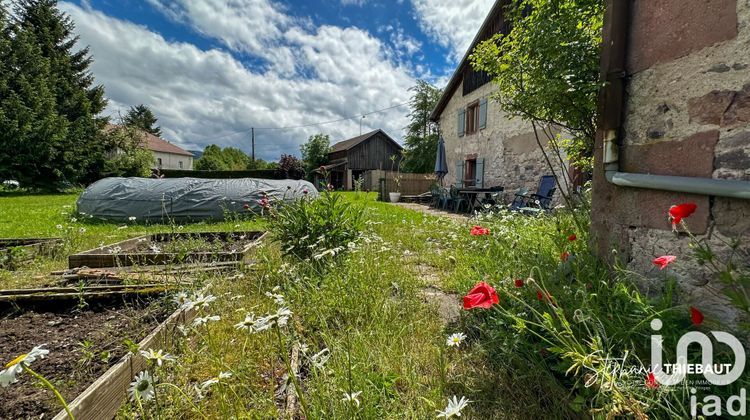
point(168, 155)
point(484, 146)
point(348, 160)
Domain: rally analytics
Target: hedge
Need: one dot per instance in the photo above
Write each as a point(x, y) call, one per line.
point(255, 173)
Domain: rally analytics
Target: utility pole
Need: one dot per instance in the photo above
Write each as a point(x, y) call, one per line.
point(253, 131)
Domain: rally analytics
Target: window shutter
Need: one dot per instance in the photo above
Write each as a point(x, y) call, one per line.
point(479, 181)
point(483, 114)
point(459, 173)
point(461, 122)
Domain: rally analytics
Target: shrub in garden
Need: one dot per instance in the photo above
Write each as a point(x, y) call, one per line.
point(572, 336)
point(319, 229)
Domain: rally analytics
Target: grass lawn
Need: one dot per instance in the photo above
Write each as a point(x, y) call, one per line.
point(383, 338)
point(371, 341)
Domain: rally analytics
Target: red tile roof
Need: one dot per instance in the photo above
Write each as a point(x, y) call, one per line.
point(157, 144)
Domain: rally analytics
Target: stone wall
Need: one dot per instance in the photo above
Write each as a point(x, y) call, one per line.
point(687, 113)
point(511, 154)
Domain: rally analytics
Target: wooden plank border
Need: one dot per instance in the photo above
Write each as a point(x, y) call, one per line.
point(103, 398)
point(101, 257)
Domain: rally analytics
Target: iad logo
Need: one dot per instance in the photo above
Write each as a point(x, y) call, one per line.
point(717, 374)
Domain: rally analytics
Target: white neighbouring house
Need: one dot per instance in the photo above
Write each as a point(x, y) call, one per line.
point(168, 155)
point(484, 146)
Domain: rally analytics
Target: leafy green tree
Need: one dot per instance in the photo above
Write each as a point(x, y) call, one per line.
point(211, 160)
point(142, 117)
point(421, 136)
point(547, 68)
point(215, 158)
point(128, 156)
point(235, 159)
point(32, 133)
point(315, 151)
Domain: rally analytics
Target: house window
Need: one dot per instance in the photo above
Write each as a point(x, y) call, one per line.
point(158, 162)
point(179, 163)
point(470, 172)
point(472, 118)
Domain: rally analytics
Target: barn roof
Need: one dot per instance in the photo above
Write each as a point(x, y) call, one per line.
point(455, 80)
point(348, 144)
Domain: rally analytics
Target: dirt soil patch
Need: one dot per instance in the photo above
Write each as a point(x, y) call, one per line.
point(82, 345)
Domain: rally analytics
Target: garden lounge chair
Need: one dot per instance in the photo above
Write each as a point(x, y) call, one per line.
point(541, 200)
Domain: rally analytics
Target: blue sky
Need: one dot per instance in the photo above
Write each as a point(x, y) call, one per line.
point(211, 69)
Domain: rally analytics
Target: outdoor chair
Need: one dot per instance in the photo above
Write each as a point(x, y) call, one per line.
point(445, 199)
point(435, 196)
point(458, 200)
point(541, 200)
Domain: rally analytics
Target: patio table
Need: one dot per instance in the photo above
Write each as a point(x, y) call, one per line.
point(472, 194)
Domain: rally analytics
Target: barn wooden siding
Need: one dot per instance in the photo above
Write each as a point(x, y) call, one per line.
point(373, 153)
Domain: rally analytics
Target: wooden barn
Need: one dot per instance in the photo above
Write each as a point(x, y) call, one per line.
point(350, 159)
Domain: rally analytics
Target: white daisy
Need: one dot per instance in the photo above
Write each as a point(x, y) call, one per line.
point(454, 407)
point(263, 323)
point(199, 321)
point(14, 367)
point(131, 218)
point(352, 397)
point(200, 301)
point(142, 387)
point(455, 339)
point(282, 315)
point(247, 324)
point(158, 356)
point(181, 299)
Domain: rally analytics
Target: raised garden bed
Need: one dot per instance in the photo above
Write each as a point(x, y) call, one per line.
point(14, 251)
point(83, 344)
point(170, 248)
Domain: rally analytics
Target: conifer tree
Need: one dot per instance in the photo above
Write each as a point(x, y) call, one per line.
point(31, 130)
point(141, 116)
point(79, 156)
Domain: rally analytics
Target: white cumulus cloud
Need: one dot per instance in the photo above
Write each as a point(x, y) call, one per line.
point(452, 23)
point(210, 96)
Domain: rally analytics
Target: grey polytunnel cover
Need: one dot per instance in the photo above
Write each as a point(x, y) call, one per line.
point(185, 199)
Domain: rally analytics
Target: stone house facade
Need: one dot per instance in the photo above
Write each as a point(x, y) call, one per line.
point(484, 146)
point(677, 105)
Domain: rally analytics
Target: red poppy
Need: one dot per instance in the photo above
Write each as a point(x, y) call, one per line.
point(651, 381)
point(564, 256)
point(245, 206)
point(663, 261)
point(518, 283)
point(540, 296)
point(696, 316)
point(481, 296)
point(681, 211)
point(263, 202)
point(479, 231)
point(572, 237)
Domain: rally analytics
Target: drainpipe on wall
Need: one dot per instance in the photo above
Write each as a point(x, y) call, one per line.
point(611, 101)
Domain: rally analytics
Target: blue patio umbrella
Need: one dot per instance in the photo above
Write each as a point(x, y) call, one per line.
point(441, 163)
